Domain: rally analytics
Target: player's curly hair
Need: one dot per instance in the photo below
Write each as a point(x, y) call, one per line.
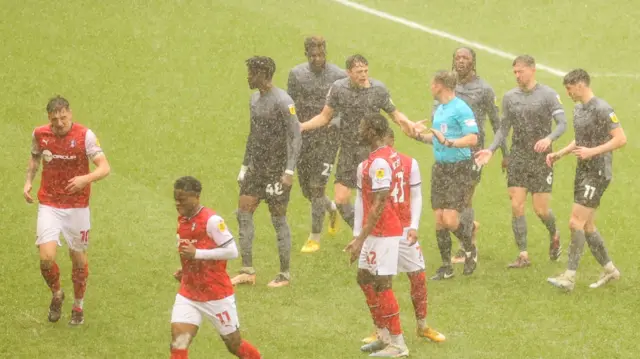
point(378, 123)
point(188, 184)
point(473, 58)
point(390, 133)
point(315, 42)
point(57, 103)
point(263, 64)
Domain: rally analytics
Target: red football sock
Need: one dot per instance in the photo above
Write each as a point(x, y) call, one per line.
point(247, 351)
point(79, 278)
point(419, 294)
point(179, 353)
point(390, 311)
point(51, 276)
point(372, 301)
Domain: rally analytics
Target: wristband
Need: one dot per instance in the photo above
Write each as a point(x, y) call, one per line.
point(289, 172)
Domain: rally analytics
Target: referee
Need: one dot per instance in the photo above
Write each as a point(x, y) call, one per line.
point(455, 130)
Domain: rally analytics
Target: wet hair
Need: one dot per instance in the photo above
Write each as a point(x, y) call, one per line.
point(390, 133)
point(526, 60)
point(188, 184)
point(56, 104)
point(262, 64)
point(377, 123)
point(473, 58)
point(314, 42)
point(576, 76)
point(355, 59)
point(448, 79)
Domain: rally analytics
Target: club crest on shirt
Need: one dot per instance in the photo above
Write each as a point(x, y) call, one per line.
point(73, 143)
point(613, 117)
point(292, 109)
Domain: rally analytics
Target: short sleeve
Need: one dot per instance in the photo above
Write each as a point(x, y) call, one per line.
point(333, 97)
point(287, 106)
point(35, 147)
point(414, 176)
point(359, 176)
point(387, 104)
point(467, 120)
point(610, 118)
point(217, 229)
point(380, 174)
point(555, 104)
point(92, 145)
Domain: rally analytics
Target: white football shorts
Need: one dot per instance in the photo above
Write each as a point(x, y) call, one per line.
point(222, 313)
point(73, 223)
point(409, 257)
point(379, 255)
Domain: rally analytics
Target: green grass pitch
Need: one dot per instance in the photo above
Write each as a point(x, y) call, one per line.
point(163, 84)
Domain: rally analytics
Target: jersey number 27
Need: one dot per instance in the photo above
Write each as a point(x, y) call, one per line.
point(397, 193)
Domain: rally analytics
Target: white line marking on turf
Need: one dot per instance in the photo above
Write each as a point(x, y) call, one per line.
point(463, 41)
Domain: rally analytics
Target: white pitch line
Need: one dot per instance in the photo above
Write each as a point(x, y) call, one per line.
point(460, 40)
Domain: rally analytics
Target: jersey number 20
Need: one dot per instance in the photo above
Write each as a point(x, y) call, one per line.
point(398, 190)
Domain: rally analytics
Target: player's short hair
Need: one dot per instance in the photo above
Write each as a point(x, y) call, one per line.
point(473, 58)
point(576, 76)
point(315, 42)
point(263, 64)
point(56, 104)
point(526, 60)
point(188, 184)
point(448, 79)
point(377, 123)
point(390, 133)
point(355, 59)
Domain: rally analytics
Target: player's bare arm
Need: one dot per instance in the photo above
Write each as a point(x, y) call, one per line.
point(561, 126)
point(320, 120)
point(355, 246)
point(32, 170)
point(555, 156)
point(401, 120)
point(294, 143)
point(101, 171)
point(419, 129)
point(618, 140)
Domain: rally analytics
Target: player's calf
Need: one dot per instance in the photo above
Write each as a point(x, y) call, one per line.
point(239, 347)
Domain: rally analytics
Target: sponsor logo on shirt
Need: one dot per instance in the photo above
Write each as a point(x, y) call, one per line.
point(380, 173)
point(221, 226)
point(470, 122)
point(48, 156)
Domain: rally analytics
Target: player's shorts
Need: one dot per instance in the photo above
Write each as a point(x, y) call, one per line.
point(348, 161)
point(589, 187)
point(73, 223)
point(379, 255)
point(451, 185)
point(409, 257)
point(222, 313)
point(534, 175)
point(315, 165)
point(265, 186)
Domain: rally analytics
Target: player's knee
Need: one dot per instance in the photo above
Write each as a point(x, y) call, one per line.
point(181, 341)
point(450, 220)
point(364, 277)
point(576, 224)
point(382, 283)
point(232, 342)
point(46, 264)
point(247, 204)
point(590, 227)
point(517, 207)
